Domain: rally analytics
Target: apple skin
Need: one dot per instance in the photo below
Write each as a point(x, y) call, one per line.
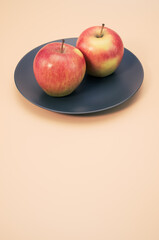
point(59, 74)
point(102, 54)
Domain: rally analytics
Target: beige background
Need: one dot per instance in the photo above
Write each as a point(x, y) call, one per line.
point(84, 177)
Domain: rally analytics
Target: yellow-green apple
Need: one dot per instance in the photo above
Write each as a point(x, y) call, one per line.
point(59, 68)
point(102, 48)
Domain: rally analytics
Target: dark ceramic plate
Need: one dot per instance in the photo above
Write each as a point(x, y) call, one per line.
point(93, 95)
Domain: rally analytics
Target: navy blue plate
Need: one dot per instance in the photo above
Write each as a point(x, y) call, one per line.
point(93, 94)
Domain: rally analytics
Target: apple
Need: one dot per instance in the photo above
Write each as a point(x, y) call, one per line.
point(59, 68)
point(102, 48)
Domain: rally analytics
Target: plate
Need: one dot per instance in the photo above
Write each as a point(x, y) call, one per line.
point(93, 95)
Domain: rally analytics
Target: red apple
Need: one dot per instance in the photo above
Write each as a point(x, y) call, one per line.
point(59, 68)
point(102, 48)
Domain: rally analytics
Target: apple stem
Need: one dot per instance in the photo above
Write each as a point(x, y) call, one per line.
point(100, 35)
point(62, 45)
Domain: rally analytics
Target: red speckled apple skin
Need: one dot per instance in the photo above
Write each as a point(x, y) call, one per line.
point(59, 74)
point(99, 50)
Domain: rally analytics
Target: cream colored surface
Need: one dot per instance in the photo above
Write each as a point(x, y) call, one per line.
point(84, 177)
